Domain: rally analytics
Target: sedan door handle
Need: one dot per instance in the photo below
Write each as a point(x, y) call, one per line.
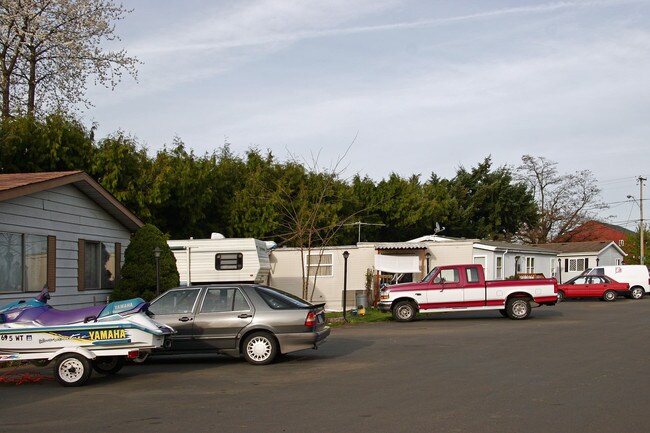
point(184, 319)
point(245, 316)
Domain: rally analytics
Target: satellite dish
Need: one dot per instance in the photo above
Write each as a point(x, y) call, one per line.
point(438, 228)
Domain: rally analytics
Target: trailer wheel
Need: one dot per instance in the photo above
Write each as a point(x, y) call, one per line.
point(404, 311)
point(108, 364)
point(72, 369)
point(518, 308)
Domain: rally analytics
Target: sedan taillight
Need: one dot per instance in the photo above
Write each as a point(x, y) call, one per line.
point(311, 319)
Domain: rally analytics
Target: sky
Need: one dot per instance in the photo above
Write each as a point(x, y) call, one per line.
point(375, 87)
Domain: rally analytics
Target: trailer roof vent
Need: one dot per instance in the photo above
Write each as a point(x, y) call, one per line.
point(217, 236)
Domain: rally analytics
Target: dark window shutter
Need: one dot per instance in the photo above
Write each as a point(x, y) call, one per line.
point(566, 265)
point(81, 253)
point(51, 263)
point(586, 263)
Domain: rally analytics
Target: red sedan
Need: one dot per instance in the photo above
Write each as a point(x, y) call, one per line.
point(592, 286)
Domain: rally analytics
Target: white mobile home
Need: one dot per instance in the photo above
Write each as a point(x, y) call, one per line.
point(369, 265)
point(221, 260)
point(503, 260)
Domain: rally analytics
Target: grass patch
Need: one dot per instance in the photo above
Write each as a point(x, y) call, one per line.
point(335, 318)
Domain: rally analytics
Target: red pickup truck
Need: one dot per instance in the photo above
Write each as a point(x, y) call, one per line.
point(463, 288)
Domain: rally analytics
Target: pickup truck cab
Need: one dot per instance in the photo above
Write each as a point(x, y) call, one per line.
point(463, 288)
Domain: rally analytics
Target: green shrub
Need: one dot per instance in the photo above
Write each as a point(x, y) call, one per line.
point(138, 278)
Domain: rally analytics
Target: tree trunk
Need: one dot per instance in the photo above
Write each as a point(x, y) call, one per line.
point(31, 82)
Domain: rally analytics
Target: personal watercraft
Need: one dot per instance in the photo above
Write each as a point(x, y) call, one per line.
point(101, 337)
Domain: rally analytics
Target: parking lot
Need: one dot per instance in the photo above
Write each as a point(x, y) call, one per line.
point(581, 366)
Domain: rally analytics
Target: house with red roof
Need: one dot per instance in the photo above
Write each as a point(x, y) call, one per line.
point(596, 231)
point(62, 230)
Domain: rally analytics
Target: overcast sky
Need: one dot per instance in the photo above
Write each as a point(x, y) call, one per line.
point(411, 87)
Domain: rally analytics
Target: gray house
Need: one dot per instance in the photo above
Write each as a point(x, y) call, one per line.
point(64, 231)
point(575, 257)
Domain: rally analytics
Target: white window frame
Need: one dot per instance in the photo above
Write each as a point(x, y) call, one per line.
point(498, 268)
point(323, 269)
point(530, 265)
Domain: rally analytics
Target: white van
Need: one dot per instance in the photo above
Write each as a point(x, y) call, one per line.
point(637, 276)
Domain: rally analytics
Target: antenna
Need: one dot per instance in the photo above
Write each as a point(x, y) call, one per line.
point(359, 223)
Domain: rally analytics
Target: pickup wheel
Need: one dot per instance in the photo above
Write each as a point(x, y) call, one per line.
point(609, 296)
point(560, 296)
point(404, 311)
point(518, 308)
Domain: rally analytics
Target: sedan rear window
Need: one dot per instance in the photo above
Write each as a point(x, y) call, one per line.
point(279, 300)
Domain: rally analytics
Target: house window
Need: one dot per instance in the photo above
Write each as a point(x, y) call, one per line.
point(499, 268)
point(530, 265)
point(99, 265)
point(23, 262)
point(576, 265)
point(229, 261)
point(319, 265)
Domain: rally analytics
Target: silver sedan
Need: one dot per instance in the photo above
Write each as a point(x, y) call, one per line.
point(250, 320)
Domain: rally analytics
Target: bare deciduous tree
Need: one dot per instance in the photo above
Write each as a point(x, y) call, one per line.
point(564, 201)
point(50, 48)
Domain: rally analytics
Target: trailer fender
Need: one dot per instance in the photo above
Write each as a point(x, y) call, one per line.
point(80, 350)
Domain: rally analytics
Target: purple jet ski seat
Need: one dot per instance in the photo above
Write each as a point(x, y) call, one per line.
point(53, 317)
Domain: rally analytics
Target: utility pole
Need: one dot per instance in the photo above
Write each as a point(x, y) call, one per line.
point(641, 225)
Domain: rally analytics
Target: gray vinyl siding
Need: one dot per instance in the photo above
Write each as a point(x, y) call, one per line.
point(608, 257)
point(68, 214)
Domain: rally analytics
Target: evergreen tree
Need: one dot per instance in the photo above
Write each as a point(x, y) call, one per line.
point(138, 279)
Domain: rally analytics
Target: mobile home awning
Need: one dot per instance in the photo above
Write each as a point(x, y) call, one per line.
point(397, 264)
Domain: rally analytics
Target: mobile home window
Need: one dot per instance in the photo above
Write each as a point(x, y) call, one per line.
point(576, 265)
point(530, 265)
point(99, 265)
point(319, 265)
point(229, 261)
point(499, 268)
point(23, 262)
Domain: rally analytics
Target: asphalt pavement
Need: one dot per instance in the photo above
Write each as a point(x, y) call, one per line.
point(581, 366)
